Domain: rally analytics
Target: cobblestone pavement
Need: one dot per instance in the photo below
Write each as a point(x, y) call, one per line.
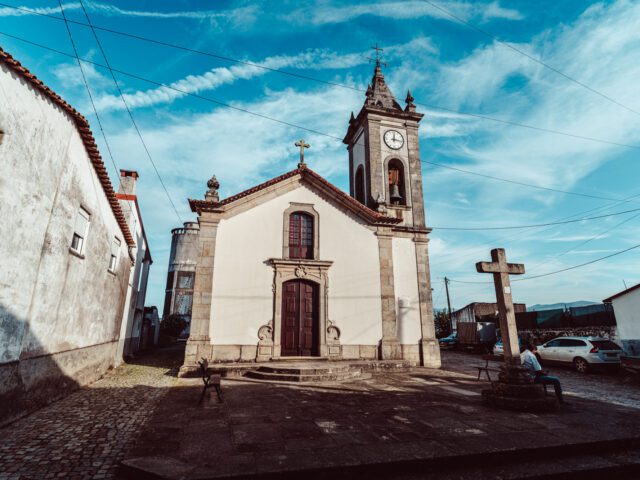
point(377, 427)
point(604, 386)
point(86, 435)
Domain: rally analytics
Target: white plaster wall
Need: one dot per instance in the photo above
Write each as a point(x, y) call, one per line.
point(132, 314)
point(242, 280)
point(405, 279)
point(45, 175)
point(627, 310)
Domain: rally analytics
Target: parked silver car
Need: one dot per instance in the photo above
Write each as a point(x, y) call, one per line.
point(582, 352)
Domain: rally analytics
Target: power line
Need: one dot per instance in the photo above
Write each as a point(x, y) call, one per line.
point(620, 252)
point(297, 126)
point(326, 82)
point(93, 105)
point(589, 240)
point(135, 125)
point(530, 57)
point(539, 224)
point(502, 240)
point(523, 184)
point(283, 122)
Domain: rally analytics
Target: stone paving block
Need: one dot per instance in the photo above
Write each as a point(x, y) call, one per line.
point(86, 434)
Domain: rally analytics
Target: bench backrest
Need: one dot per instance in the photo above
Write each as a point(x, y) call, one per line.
point(204, 365)
point(493, 358)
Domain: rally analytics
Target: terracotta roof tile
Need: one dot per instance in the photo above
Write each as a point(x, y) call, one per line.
point(84, 130)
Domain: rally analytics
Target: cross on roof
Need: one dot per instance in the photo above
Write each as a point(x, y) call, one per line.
point(302, 144)
point(378, 58)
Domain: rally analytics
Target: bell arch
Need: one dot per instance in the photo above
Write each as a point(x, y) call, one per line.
point(396, 182)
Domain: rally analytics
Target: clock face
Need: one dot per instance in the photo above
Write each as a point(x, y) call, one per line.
point(393, 139)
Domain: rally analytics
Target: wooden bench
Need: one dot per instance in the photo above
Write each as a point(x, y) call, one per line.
point(486, 369)
point(210, 381)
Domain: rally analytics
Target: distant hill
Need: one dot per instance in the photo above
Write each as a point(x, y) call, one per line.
point(553, 306)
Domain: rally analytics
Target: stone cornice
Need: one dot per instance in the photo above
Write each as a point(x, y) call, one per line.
point(296, 262)
point(367, 110)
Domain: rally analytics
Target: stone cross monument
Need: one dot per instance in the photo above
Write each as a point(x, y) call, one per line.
point(515, 388)
point(501, 271)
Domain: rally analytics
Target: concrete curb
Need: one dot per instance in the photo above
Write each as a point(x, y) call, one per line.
point(166, 468)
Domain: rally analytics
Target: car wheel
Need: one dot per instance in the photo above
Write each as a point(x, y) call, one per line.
point(581, 365)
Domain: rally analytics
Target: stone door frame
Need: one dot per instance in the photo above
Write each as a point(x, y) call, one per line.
point(316, 271)
point(301, 284)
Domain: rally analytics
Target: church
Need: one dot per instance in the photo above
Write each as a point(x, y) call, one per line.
point(295, 268)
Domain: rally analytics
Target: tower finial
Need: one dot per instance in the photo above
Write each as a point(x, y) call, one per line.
point(411, 107)
point(212, 193)
point(378, 58)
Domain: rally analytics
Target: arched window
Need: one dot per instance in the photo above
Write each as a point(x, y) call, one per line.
point(359, 185)
point(300, 235)
point(397, 191)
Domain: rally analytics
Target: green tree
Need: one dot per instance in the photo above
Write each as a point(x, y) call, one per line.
point(441, 320)
point(173, 325)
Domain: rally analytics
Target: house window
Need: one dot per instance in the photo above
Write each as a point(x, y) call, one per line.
point(80, 231)
point(359, 184)
point(184, 293)
point(300, 235)
point(115, 253)
point(184, 302)
point(186, 280)
point(397, 195)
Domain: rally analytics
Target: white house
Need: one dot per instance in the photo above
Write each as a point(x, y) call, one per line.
point(67, 250)
point(133, 311)
point(295, 267)
point(626, 306)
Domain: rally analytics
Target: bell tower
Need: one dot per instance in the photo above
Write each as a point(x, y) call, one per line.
point(384, 154)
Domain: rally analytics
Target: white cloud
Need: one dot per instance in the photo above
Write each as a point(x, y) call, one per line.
point(315, 59)
point(239, 16)
point(12, 12)
point(600, 49)
point(400, 10)
point(243, 149)
point(69, 75)
point(494, 10)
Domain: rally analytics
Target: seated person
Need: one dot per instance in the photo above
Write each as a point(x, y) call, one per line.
point(530, 362)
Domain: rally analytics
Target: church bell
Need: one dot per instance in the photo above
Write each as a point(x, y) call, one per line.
point(396, 198)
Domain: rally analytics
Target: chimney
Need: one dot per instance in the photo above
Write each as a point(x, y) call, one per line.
point(128, 180)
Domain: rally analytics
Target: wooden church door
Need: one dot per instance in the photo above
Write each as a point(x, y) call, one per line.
point(299, 319)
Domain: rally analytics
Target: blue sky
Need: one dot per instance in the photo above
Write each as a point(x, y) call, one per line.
point(443, 62)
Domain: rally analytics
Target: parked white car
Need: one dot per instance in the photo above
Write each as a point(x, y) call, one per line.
point(582, 352)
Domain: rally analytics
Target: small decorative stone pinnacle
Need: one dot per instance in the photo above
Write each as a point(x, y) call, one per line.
point(369, 91)
point(409, 100)
point(212, 193)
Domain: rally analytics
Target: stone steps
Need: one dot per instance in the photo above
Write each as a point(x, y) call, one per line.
point(305, 373)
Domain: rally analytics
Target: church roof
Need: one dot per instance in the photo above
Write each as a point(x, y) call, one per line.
point(312, 177)
point(84, 130)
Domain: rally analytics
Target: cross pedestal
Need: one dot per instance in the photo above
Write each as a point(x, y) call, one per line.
point(515, 388)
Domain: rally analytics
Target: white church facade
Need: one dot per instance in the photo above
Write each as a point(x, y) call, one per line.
point(297, 268)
